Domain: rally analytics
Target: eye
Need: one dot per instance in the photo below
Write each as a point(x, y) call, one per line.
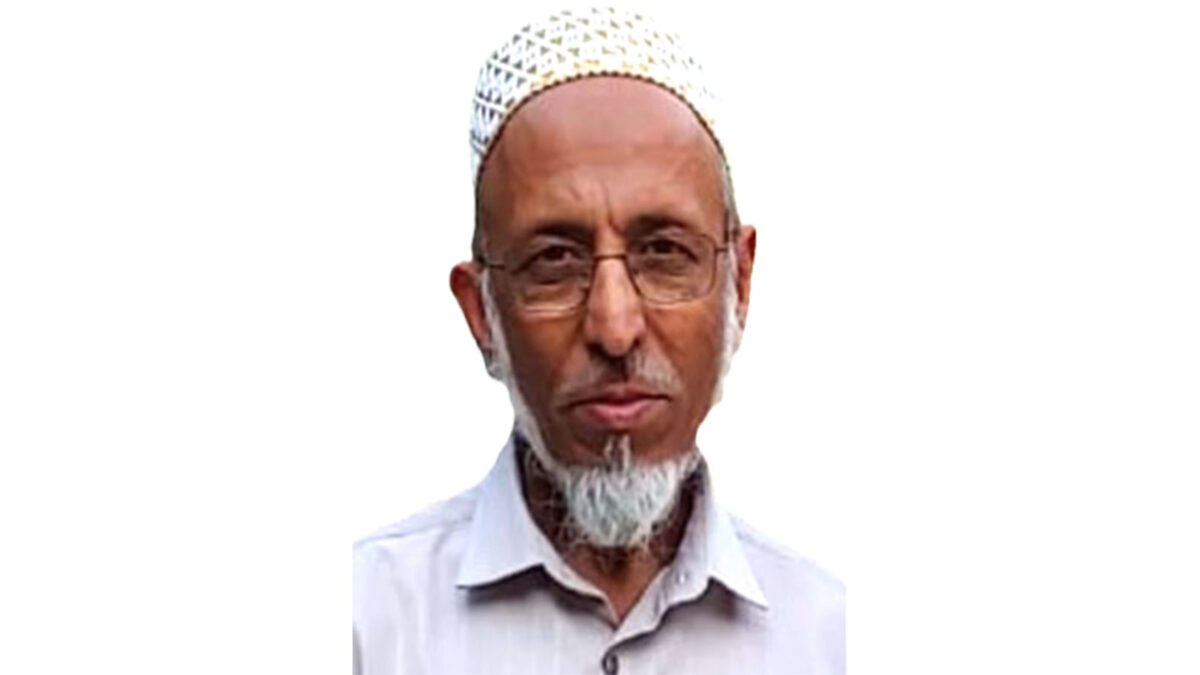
point(556, 254)
point(663, 247)
point(553, 260)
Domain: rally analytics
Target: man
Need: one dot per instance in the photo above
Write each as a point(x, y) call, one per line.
point(608, 288)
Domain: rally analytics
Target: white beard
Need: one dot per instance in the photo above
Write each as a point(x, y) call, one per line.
point(621, 503)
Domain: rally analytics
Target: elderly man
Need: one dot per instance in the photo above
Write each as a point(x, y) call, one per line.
point(608, 289)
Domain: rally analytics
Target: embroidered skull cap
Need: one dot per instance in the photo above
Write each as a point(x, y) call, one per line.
point(570, 45)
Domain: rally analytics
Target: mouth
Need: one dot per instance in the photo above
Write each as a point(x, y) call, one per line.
point(617, 409)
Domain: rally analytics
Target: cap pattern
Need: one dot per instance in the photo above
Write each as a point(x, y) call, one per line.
point(570, 45)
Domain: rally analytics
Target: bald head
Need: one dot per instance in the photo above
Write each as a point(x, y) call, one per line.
point(596, 140)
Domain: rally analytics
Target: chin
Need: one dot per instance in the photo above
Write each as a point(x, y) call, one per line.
point(646, 448)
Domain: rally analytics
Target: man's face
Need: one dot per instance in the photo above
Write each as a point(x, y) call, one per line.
point(603, 161)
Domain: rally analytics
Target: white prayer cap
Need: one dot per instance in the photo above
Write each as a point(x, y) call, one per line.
point(569, 45)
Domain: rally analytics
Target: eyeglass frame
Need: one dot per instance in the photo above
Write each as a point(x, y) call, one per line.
point(718, 249)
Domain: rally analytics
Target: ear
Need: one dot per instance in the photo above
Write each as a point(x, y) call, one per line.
point(745, 241)
point(465, 284)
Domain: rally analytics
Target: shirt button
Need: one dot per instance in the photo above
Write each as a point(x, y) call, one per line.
point(681, 577)
point(610, 664)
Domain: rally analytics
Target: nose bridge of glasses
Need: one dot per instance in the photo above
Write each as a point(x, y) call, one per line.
point(618, 265)
point(614, 306)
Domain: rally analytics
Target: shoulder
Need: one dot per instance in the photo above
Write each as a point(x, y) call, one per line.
point(782, 570)
point(806, 603)
point(448, 513)
point(422, 537)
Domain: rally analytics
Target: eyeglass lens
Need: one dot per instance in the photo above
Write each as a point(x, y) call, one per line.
point(666, 267)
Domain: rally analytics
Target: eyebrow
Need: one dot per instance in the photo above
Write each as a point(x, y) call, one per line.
point(638, 226)
point(655, 222)
point(567, 229)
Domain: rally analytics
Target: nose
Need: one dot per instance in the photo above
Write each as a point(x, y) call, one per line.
point(615, 320)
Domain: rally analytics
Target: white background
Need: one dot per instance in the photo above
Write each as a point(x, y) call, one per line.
point(968, 388)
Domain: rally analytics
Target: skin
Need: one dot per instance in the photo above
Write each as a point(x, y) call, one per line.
point(605, 155)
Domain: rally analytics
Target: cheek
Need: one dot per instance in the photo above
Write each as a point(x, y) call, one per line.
point(692, 341)
point(540, 351)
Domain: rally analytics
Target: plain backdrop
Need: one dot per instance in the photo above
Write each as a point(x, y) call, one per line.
point(968, 386)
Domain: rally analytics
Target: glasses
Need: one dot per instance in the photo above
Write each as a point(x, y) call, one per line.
point(554, 275)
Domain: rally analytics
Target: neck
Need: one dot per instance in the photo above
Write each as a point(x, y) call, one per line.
point(622, 575)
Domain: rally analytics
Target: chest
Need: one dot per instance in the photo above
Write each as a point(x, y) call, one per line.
point(539, 630)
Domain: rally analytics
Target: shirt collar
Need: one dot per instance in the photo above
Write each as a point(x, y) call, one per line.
point(712, 544)
point(503, 539)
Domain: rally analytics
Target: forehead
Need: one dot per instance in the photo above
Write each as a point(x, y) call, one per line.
point(602, 151)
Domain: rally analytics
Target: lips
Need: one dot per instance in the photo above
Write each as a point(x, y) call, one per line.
point(617, 408)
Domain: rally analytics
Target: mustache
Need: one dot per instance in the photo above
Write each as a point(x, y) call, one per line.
point(640, 368)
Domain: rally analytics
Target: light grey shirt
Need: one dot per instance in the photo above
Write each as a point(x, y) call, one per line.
point(471, 585)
